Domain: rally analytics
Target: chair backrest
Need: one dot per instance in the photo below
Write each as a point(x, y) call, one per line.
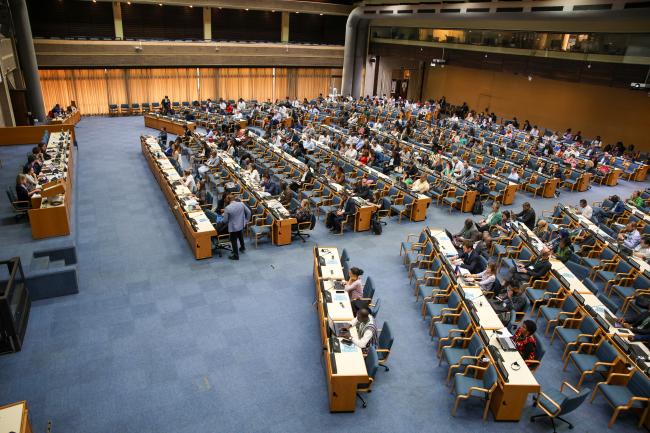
point(574, 401)
point(540, 347)
point(489, 377)
point(313, 222)
point(372, 362)
point(588, 325)
point(464, 320)
point(639, 384)
point(570, 304)
point(606, 352)
point(475, 344)
point(375, 310)
point(385, 339)
point(607, 302)
point(368, 289)
point(454, 300)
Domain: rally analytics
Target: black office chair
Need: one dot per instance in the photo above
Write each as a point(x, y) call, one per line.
point(344, 256)
point(384, 344)
point(553, 403)
point(19, 207)
point(372, 365)
point(305, 225)
point(220, 241)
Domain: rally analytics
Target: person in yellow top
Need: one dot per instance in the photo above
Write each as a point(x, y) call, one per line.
point(421, 185)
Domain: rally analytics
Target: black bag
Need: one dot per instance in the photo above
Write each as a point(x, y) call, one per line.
point(477, 209)
point(375, 225)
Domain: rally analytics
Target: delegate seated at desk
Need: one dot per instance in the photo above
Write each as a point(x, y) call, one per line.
point(270, 186)
point(639, 324)
point(535, 271)
point(525, 341)
point(335, 218)
point(512, 299)
point(469, 259)
point(366, 330)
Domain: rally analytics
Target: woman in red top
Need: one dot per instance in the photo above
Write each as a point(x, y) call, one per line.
point(525, 341)
point(365, 157)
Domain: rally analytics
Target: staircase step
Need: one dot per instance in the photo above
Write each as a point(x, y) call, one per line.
point(39, 263)
point(57, 264)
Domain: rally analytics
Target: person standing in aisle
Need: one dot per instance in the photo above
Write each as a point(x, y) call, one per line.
point(236, 214)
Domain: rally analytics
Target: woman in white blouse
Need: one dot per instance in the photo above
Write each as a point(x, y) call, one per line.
point(486, 278)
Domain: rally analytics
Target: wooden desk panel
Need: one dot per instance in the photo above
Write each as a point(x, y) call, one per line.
point(172, 127)
point(419, 209)
point(200, 242)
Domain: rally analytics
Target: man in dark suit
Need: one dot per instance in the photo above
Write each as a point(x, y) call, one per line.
point(270, 185)
point(512, 299)
point(527, 216)
point(471, 259)
point(639, 324)
point(537, 270)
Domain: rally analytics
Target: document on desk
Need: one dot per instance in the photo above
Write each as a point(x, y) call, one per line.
point(340, 297)
point(348, 348)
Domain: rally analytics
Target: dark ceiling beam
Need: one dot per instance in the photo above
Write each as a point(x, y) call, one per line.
point(266, 5)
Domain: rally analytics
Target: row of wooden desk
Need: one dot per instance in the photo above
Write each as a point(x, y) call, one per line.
point(344, 370)
point(172, 125)
point(197, 228)
point(67, 118)
point(364, 209)
point(282, 218)
point(421, 202)
point(515, 380)
point(50, 211)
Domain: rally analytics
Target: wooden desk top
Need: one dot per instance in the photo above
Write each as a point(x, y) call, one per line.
point(350, 361)
point(340, 309)
point(518, 375)
point(11, 417)
point(488, 318)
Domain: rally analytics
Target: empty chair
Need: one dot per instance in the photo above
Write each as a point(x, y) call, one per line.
point(384, 344)
point(634, 393)
point(262, 228)
point(554, 403)
point(372, 365)
point(557, 310)
point(468, 384)
point(344, 255)
point(462, 351)
point(592, 358)
point(113, 110)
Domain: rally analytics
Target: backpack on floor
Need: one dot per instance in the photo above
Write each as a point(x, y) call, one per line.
point(375, 225)
point(477, 209)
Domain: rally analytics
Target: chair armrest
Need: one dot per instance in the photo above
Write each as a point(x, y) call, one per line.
point(568, 385)
point(612, 376)
point(553, 402)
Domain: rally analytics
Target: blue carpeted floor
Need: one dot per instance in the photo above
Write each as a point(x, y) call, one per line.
point(159, 342)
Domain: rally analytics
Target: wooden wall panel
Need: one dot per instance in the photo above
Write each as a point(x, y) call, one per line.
point(614, 114)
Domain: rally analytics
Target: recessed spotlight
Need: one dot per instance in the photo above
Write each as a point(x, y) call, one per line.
point(191, 6)
point(589, 66)
point(530, 78)
point(128, 3)
point(297, 12)
point(273, 10)
point(321, 14)
point(246, 9)
point(159, 4)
